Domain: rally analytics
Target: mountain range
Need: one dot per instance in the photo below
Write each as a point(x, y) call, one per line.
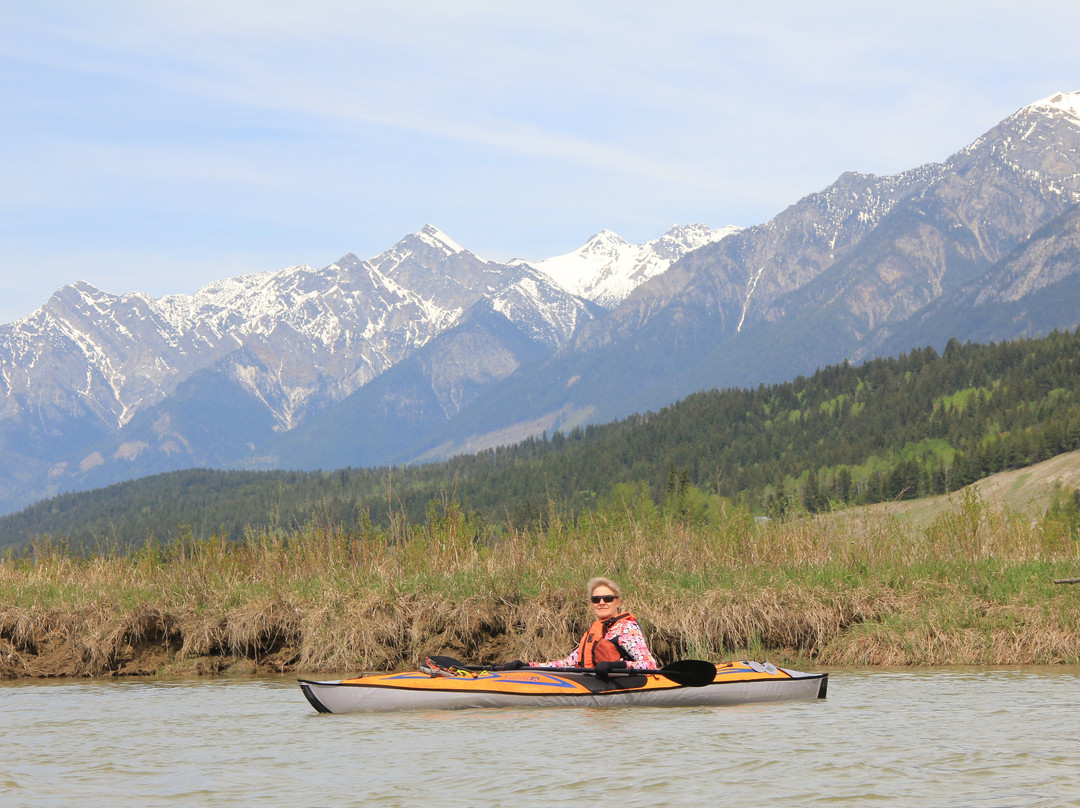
point(98, 387)
point(428, 350)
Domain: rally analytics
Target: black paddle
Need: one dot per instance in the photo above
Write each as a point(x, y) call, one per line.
point(686, 672)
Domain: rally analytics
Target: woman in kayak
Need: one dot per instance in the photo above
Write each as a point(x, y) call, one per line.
point(614, 640)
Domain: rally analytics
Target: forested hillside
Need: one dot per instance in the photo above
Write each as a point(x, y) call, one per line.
point(889, 429)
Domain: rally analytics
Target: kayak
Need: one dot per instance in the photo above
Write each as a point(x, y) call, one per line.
point(733, 683)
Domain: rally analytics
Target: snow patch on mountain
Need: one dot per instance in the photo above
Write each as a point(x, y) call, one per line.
point(544, 311)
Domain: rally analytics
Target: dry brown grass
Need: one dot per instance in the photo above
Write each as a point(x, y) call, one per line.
point(972, 587)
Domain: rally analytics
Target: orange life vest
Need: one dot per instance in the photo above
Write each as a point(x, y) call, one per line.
point(594, 648)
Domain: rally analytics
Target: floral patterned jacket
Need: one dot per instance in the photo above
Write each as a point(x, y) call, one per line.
point(627, 635)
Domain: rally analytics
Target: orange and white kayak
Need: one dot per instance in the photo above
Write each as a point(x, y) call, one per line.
point(734, 683)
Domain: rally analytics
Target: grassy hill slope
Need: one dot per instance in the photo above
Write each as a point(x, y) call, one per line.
point(1029, 490)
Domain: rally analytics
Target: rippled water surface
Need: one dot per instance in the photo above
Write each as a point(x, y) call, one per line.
point(912, 738)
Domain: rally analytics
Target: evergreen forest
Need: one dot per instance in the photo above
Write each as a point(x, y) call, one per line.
point(892, 428)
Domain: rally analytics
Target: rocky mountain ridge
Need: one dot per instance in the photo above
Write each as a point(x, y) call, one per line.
point(869, 265)
point(80, 377)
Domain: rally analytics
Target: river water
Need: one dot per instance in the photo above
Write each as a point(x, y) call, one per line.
point(955, 737)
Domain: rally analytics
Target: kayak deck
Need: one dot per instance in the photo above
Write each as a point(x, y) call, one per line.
point(734, 683)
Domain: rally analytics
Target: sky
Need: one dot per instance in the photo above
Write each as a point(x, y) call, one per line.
point(157, 147)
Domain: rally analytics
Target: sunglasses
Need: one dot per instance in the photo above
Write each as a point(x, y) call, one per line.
point(604, 598)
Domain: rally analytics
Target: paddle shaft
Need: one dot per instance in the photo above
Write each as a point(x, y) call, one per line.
point(687, 672)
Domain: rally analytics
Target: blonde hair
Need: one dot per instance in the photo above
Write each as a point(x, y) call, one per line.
point(610, 584)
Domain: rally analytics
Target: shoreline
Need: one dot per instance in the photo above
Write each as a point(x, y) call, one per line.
point(861, 627)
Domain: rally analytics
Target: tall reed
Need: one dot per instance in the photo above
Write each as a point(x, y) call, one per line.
point(974, 587)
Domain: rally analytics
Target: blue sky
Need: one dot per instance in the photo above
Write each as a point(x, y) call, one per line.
point(159, 146)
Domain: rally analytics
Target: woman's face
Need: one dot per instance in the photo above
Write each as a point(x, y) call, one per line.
point(609, 603)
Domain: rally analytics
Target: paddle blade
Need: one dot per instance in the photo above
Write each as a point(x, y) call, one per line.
point(448, 666)
point(690, 672)
point(447, 662)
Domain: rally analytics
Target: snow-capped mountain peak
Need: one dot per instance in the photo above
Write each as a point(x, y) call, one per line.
point(606, 269)
point(1067, 103)
point(426, 246)
point(434, 237)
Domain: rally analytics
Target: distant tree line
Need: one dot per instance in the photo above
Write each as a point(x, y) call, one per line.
point(888, 429)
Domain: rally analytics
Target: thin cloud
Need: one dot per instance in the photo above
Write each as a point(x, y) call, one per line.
point(232, 66)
